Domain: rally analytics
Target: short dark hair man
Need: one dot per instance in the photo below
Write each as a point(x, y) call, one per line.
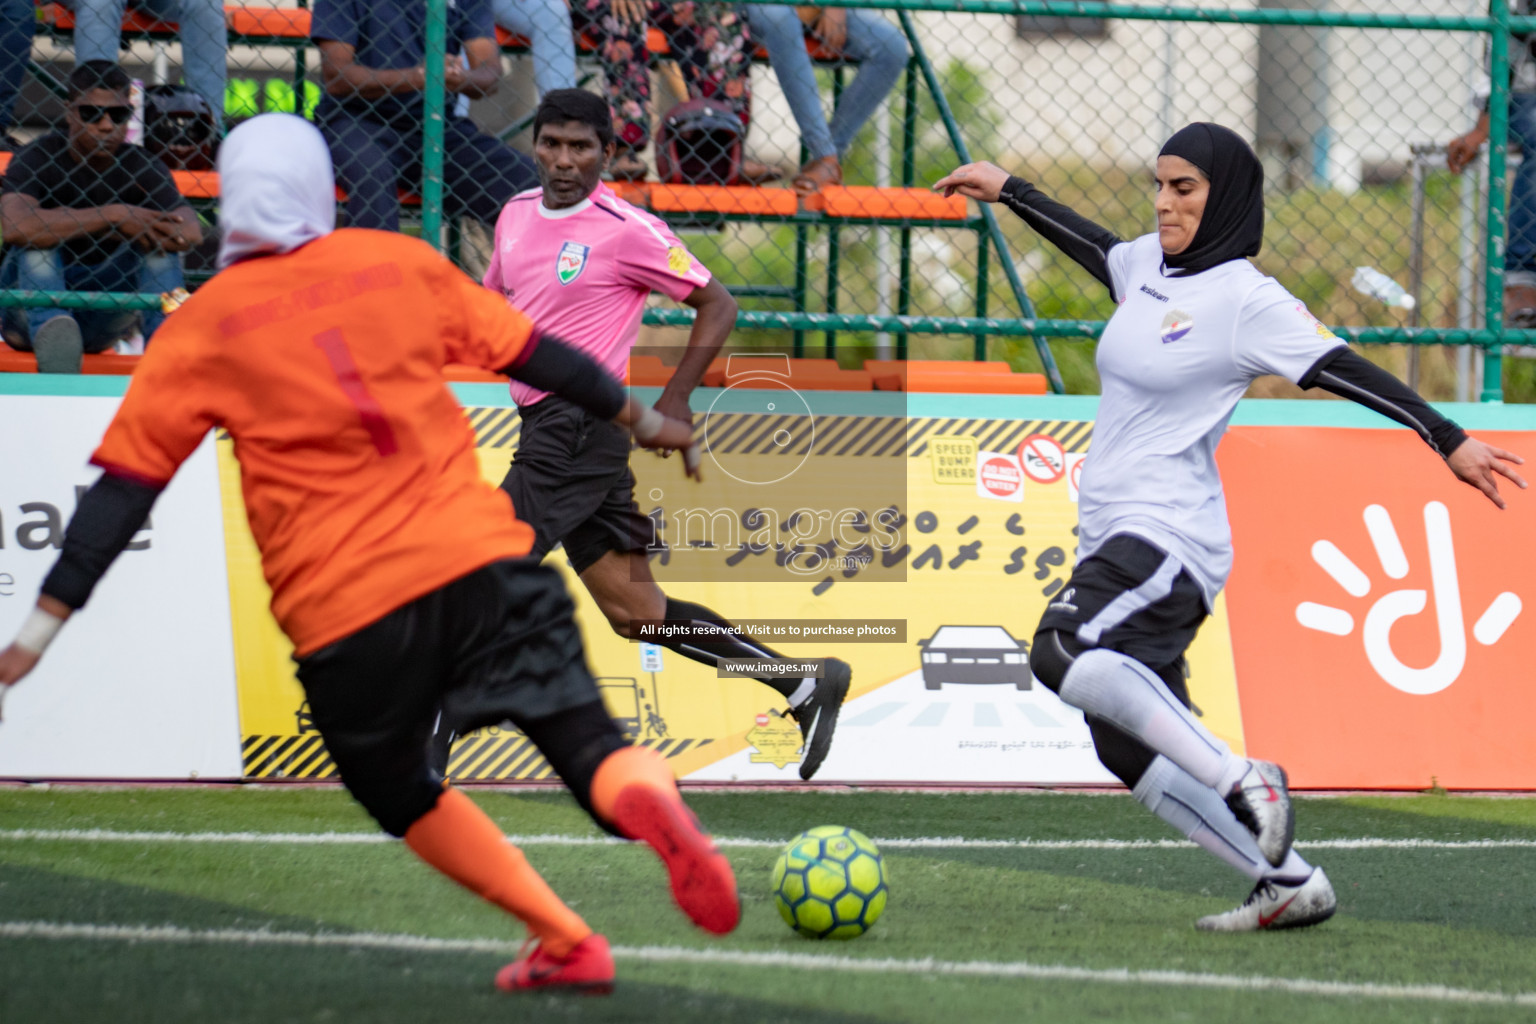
point(582, 262)
point(373, 65)
point(81, 211)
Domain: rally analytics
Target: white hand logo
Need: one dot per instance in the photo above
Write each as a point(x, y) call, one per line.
point(1401, 603)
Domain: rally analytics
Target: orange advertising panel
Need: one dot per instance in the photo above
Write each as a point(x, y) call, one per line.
point(1380, 622)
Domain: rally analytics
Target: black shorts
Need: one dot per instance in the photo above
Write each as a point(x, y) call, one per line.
point(570, 480)
point(500, 643)
point(1129, 597)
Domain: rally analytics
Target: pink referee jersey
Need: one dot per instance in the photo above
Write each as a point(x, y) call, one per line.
point(583, 273)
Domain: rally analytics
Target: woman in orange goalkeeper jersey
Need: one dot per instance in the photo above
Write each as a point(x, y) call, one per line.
point(394, 568)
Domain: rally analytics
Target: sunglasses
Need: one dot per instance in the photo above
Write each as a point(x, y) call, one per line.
point(90, 113)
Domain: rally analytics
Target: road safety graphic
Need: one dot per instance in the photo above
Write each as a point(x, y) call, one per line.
point(1074, 474)
point(1378, 611)
point(1043, 459)
point(999, 477)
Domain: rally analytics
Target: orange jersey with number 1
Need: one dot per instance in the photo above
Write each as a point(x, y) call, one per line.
point(358, 466)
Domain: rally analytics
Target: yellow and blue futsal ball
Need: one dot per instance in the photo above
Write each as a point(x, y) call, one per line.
point(829, 883)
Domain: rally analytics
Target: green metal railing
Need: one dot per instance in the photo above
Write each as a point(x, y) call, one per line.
point(432, 131)
point(994, 230)
point(1490, 338)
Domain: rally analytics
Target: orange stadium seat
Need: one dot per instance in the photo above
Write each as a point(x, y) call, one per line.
point(780, 202)
point(288, 23)
point(891, 374)
point(953, 375)
point(801, 374)
point(106, 363)
point(648, 372)
point(886, 203)
point(60, 17)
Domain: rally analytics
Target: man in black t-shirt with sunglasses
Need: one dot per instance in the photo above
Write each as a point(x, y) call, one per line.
point(81, 211)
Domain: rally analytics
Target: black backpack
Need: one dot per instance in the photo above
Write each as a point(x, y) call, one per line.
point(699, 144)
point(180, 128)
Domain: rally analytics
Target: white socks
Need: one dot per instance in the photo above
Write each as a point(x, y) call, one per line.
point(1200, 814)
point(1127, 694)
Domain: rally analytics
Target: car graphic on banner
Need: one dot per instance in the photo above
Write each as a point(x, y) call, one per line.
point(974, 654)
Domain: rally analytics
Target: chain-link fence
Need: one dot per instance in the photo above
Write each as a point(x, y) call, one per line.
point(799, 171)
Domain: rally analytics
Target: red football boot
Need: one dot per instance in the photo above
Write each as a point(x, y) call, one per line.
point(587, 968)
point(702, 881)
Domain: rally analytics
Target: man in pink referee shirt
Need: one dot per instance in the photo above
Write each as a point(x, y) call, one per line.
point(581, 262)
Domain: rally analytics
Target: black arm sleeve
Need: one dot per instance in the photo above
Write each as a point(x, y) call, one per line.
point(1344, 373)
point(549, 364)
point(1071, 232)
point(109, 514)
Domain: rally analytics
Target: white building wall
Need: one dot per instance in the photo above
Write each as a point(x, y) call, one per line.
point(1113, 100)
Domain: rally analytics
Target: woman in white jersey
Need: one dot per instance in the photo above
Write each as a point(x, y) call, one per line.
point(1196, 323)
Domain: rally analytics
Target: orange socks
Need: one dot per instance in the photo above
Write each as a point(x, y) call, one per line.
point(627, 765)
point(459, 840)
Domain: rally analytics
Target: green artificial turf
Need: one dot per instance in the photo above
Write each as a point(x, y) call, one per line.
point(1409, 916)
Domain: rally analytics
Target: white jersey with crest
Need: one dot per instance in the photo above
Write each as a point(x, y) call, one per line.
point(1173, 361)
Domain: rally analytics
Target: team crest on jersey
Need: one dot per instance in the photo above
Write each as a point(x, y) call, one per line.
point(1175, 325)
point(678, 260)
point(1318, 325)
point(571, 261)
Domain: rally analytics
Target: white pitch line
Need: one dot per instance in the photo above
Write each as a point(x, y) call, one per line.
point(910, 843)
point(795, 961)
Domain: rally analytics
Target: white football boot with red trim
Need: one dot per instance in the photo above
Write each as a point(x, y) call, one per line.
point(1262, 802)
point(1278, 904)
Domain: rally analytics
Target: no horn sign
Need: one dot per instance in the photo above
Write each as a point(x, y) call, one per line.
point(1043, 459)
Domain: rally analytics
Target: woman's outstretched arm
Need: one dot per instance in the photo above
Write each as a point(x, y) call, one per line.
point(1084, 241)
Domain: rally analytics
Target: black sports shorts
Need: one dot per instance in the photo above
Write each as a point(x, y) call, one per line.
point(1130, 597)
point(499, 643)
point(570, 480)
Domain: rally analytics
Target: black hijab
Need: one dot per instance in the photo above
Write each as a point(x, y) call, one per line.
point(1233, 223)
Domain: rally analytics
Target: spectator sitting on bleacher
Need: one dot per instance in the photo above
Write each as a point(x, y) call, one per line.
point(546, 24)
point(863, 36)
point(712, 47)
point(18, 22)
point(372, 65)
point(81, 211)
point(200, 23)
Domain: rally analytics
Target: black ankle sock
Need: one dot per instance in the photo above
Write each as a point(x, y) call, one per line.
point(729, 642)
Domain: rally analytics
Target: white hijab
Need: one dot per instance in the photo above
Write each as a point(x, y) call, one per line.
point(277, 188)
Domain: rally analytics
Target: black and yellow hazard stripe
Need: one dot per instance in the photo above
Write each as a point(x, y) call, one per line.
point(286, 757)
point(873, 436)
point(478, 757)
point(741, 433)
point(996, 435)
point(482, 757)
point(495, 426)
